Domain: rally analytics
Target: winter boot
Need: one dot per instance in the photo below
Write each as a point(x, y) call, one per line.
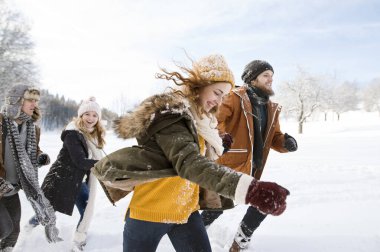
point(79, 241)
point(78, 246)
point(32, 223)
point(235, 247)
point(241, 240)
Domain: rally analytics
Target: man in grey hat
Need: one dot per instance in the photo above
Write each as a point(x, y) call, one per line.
point(249, 116)
point(20, 156)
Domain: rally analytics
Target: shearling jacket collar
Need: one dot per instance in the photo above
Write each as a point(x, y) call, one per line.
point(136, 123)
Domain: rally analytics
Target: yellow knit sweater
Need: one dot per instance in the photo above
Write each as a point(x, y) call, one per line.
point(166, 200)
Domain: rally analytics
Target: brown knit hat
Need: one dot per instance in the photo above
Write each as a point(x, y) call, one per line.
point(214, 68)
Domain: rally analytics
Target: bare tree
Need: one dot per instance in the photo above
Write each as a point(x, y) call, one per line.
point(16, 50)
point(371, 96)
point(123, 104)
point(301, 97)
point(327, 86)
point(345, 98)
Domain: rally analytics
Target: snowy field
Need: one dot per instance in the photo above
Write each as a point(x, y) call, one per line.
point(334, 180)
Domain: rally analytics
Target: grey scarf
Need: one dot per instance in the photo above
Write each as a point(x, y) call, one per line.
point(26, 166)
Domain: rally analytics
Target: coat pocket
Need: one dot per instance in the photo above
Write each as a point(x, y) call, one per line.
point(234, 158)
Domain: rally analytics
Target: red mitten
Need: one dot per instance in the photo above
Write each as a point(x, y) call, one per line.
point(267, 197)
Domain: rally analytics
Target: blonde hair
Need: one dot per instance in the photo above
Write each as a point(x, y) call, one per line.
point(192, 84)
point(98, 133)
point(204, 72)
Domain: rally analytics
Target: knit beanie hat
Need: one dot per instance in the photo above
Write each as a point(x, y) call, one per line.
point(89, 104)
point(254, 69)
point(15, 98)
point(214, 68)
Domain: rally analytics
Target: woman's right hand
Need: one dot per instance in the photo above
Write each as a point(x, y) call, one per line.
point(267, 197)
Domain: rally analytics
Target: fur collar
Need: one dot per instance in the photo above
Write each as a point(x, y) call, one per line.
point(71, 126)
point(136, 122)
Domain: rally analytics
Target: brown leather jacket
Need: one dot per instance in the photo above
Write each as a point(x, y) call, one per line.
point(235, 117)
point(2, 144)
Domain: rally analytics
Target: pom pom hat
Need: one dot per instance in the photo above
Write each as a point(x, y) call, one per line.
point(214, 68)
point(89, 104)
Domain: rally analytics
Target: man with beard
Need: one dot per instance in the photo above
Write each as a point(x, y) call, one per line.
point(249, 124)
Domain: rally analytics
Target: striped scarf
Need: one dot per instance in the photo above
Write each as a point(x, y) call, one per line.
point(26, 165)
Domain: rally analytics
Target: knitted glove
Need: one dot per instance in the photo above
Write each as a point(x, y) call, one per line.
point(227, 141)
point(267, 197)
point(43, 159)
point(5, 187)
point(51, 232)
point(290, 143)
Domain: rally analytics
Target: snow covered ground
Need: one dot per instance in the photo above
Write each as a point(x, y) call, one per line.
point(334, 180)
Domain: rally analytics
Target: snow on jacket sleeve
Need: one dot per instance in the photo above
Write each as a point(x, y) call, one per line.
point(182, 151)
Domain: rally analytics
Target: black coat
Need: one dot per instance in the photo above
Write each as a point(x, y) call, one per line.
point(62, 183)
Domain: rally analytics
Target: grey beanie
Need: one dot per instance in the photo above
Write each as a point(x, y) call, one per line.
point(15, 98)
point(254, 69)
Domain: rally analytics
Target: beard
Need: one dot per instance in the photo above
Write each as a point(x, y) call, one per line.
point(267, 90)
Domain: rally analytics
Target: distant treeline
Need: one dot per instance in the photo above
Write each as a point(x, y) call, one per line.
point(57, 111)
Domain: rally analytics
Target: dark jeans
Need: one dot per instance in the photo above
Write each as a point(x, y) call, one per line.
point(81, 203)
point(6, 225)
point(145, 236)
point(209, 217)
point(252, 219)
point(10, 215)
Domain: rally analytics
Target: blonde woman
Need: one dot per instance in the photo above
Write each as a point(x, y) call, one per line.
point(69, 181)
point(175, 130)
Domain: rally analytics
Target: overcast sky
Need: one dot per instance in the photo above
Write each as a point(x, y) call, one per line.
point(110, 48)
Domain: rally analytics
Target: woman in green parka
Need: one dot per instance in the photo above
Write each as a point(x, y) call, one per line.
point(177, 143)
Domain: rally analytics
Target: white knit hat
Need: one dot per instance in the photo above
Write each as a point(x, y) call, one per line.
point(89, 104)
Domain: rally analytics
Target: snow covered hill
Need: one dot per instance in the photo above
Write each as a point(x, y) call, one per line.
point(334, 180)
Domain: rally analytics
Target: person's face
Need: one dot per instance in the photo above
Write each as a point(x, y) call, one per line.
point(211, 95)
point(264, 82)
point(28, 106)
point(90, 118)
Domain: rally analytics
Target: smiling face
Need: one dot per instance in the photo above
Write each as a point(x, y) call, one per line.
point(264, 82)
point(28, 106)
point(211, 96)
point(90, 119)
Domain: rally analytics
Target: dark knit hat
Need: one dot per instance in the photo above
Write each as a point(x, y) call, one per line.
point(254, 69)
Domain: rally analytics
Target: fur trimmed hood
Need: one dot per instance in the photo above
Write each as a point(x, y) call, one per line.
point(136, 123)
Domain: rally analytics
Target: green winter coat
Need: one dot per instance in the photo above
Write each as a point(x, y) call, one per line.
point(167, 146)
